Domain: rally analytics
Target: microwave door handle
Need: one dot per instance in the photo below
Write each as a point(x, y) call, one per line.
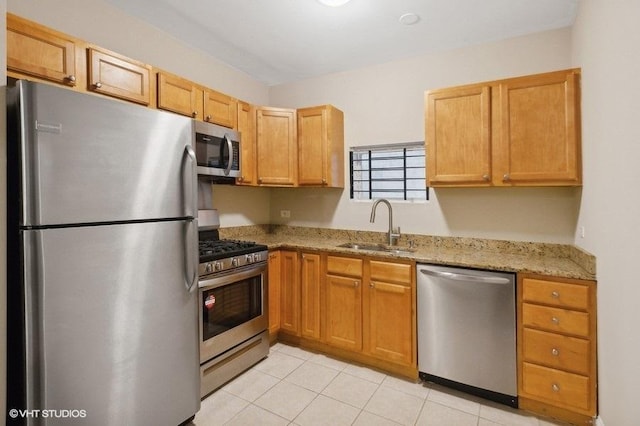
point(230, 149)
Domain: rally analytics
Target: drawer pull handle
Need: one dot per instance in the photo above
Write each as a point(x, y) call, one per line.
point(555, 294)
point(555, 387)
point(555, 352)
point(555, 320)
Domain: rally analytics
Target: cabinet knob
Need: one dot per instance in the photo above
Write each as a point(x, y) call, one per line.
point(241, 178)
point(555, 387)
point(208, 118)
point(486, 178)
point(555, 294)
point(555, 352)
point(555, 320)
point(356, 284)
point(324, 181)
point(372, 284)
point(71, 79)
point(97, 85)
point(506, 177)
point(194, 114)
point(259, 180)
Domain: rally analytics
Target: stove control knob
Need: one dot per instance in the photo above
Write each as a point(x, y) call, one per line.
point(249, 258)
point(217, 266)
point(208, 268)
point(234, 261)
point(256, 257)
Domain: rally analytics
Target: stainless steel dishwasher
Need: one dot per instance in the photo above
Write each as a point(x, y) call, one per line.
point(467, 331)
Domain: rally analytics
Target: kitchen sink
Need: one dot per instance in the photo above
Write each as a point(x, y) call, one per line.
point(377, 247)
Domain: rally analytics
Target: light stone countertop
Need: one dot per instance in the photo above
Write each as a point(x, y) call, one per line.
point(540, 258)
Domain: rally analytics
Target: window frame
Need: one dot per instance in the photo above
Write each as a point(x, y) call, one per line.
point(372, 150)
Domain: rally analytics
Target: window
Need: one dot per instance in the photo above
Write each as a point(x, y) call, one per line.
point(395, 171)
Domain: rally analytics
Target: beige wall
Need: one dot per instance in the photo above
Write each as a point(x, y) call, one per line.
point(385, 103)
point(606, 37)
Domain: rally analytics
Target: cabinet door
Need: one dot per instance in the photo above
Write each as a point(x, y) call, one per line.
point(289, 293)
point(312, 146)
point(539, 137)
point(220, 109)
point(114, 75)
point(178, 95)
point(390, 318)
point(40, 52)
point(275, 279)
point(310, 283)
point(247, 129)
point(276, 145)
point(458, 136)
point(344, 312)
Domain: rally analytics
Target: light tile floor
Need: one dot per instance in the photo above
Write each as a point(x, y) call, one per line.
point(296, 387)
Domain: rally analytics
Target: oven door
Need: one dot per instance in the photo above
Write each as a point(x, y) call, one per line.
point(233, 308)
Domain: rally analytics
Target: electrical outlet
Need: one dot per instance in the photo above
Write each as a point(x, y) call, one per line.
point(285, 213)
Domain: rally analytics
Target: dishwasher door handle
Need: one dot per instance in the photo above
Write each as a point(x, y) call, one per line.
point(464, 277)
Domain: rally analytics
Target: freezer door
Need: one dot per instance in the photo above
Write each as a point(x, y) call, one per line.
point(89, 159)
point(112, 326)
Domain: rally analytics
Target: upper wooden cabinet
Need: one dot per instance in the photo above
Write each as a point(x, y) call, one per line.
point(178, 95)
point(321, 146)
point(220, 109)
point(115, 75)
point(40, 52)
point(247, 129)
point(522, 131)
point(276, 143)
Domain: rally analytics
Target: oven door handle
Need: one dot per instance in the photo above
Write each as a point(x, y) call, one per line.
point(235, 276)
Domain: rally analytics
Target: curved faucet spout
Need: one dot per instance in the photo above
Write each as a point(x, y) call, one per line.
point(392, 234)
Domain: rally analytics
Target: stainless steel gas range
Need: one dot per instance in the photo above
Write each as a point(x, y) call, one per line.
point(233, 305)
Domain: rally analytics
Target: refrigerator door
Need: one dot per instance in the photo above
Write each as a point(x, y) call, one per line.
point(112, 319)
point(87, 159)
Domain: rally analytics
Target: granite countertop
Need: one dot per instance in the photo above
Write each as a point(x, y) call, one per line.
point(540, 258)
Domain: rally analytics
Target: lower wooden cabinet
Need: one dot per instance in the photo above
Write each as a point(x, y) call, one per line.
point(389, 312)
point(357, 308)
point(557, 347)
point(289, 293)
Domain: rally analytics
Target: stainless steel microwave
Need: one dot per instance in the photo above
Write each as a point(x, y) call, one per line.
point(217, 150)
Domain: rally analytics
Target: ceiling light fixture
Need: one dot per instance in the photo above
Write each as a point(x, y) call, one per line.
point(333, 3)
point(409, 19)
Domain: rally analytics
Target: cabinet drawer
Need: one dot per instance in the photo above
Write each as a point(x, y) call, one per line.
point(555, 319)
point(574, 296)
point(344, 266)
point(557, 387)
point(556, 350)
point(391, 272)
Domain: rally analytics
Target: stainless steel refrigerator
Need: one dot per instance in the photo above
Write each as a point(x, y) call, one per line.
point(102, 260)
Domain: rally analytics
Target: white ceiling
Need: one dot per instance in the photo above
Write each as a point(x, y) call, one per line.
point(279, 41)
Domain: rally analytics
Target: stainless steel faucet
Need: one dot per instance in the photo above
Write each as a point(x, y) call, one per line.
point(393, 234)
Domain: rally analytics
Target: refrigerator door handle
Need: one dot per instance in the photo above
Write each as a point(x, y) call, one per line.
point(191, 255)
point(465, 277)
point(191, 234)
point(230, 149)
point(193, 177)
